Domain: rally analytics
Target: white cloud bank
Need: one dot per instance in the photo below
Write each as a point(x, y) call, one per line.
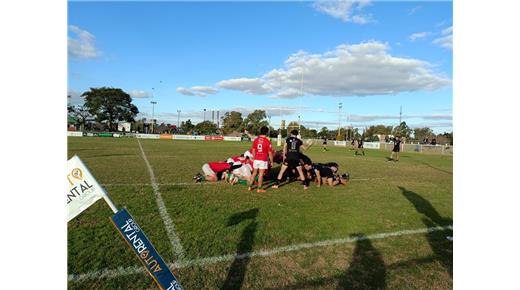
point(344, 10)
point(349, 70)
point(201, 91)
point(446, 39)
point(418, 35)
point(82, 46)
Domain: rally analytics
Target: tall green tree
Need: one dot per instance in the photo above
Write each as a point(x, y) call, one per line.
point(324, 132)
point(232, 121)
point(187, 127)
point(80, 114)
point(420, 133)
point(206, 127)
point(255, 120)
point(402, 130)
point(110, 105)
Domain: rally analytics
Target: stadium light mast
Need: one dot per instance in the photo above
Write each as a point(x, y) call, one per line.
point(340, 105)
point(178, 119)
point(400, 113)
point(153, 107)
point(204, 115)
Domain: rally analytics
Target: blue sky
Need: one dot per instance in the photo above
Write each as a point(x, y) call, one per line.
point(372, 57)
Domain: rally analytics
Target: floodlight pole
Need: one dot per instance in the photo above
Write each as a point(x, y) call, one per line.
point(178, 119)
point(153, 107)
point(340, 105)
point(204, 115)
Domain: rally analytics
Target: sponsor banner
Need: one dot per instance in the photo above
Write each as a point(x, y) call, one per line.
point(148, 136)
point(106, 135)
point(116, 135)
point(188, 137)
point(213, 138)
point(340, 143)
point(145, 251)
point(230, 138)
point(84, 190)
point(74, 134)
point(166, 136)
point(372, 145)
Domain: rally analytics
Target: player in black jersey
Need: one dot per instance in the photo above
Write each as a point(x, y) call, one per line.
point(397, 148)
point(291, 152)
point(360, 147)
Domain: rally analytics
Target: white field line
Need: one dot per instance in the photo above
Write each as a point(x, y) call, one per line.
point(178, 251)
point(114, 273)
point(207, 183)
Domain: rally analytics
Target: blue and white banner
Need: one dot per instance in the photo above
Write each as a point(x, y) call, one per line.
point(145, 251)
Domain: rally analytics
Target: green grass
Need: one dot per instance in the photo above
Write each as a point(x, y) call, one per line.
point(219, 219)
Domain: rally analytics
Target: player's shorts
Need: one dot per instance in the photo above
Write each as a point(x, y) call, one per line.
point(207, 170)
point(396, 149)
point(292, 161)
point(259, 164)
point(243, 171)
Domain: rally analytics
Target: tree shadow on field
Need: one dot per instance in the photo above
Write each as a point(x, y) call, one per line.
point(237, 271)
point(365, 271)
point(441, 247)
point(433, 167)
point(367, 268)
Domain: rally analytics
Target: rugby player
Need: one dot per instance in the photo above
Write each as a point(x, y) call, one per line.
point(291, 150)
point(262, 151)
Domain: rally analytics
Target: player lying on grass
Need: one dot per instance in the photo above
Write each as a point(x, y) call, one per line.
point(212, 171)
point(242, 172)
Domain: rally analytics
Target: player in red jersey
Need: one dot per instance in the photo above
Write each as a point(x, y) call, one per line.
point(262, 150)
point(211, 170)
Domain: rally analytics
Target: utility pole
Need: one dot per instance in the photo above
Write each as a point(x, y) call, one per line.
point(178, 119)
point(340, 105)
point(400, 114)
point(153, 106)
point(204, 115)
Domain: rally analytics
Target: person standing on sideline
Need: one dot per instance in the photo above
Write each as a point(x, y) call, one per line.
point(325, 144)
point(291, 150)
point(397, 148)
point(261, 150)
point(360, 146)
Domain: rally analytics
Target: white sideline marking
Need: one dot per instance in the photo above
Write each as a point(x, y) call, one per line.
point(170, 228)
point(113, 273)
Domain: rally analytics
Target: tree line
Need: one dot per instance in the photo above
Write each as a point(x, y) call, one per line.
point(107, 106)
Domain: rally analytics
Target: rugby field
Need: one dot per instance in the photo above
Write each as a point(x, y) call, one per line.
point(386, 229)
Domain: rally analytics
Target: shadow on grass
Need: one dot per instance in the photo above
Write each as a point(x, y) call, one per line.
point(441, 247)
point(237, 271)
point(366, 271)
point(431, 166)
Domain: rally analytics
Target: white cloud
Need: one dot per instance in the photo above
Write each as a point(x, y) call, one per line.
point(414, 10)
point(350, 70)
point(344, 9)
point(82, 46)
point(418, 35)
point(140, 94)
point(184, 91)
point(365, 118)
point(446, 39)
point(201, 91)
point(251, 86)
point(204, 90)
